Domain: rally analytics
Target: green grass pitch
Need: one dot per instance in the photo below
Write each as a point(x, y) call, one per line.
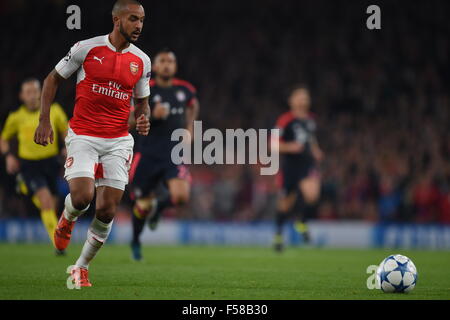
point(204, 272)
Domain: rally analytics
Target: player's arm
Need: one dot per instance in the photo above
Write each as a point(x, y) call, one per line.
point(159, 112)
point(141, 94)
point(290, 147)
point(10, 129)
point(316, 150)
point(63, 70)
point(12, 163)
point(61, 124)
point(4, 147)
point(142, 115)
point(191, 115)
point(132, 119)
point(280, 145)
point(44, 131)
point(281, 139)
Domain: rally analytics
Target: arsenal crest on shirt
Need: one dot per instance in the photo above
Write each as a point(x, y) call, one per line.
point(69, 162)
point(134, 67)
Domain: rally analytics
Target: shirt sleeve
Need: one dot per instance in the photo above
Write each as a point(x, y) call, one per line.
point(72, 61)
point(192, 95)
point(142, 87)
point(281, 125)
point(11, 127)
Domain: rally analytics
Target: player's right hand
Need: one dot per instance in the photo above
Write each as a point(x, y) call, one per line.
point(142, 125)
point(43, 133)
point(159, 111)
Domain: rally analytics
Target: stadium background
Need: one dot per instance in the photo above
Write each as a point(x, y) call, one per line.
point(381, 99)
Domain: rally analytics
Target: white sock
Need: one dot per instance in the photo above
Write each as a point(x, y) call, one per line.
point(70, 212)
point(96, 236)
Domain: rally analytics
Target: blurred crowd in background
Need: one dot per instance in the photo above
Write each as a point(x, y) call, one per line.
point(381, 97)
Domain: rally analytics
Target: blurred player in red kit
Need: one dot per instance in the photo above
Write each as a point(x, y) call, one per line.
point(111, 71)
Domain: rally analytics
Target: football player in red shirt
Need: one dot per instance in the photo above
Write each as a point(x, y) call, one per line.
point(110, 72)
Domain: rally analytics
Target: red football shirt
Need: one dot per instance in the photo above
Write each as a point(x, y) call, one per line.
point(106, 82)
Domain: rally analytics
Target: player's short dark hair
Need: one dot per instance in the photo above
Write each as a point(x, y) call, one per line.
point(165, 50)
point(297, 86)
point(121, 4)
point(31, 79)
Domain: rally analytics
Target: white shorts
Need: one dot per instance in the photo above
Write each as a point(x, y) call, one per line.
point(107, 161)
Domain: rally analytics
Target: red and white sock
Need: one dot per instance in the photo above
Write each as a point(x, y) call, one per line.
point(70, 213)
point(97, 234)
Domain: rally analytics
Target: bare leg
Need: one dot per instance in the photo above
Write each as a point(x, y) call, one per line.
point(284, 206)
point(108, 199)
point(179, 191)
point(310, 192)
point(80, 196)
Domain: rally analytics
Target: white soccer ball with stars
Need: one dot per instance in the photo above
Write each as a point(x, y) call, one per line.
point(397, 273)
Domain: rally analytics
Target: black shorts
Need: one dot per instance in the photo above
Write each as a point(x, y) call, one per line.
point(146, 173)
point(290, 176)
point(40, 173)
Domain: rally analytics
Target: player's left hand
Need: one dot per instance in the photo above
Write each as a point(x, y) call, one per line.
point(142, 125)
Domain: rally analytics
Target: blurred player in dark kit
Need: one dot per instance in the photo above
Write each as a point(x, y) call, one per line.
point(174, 105)
point(299, 178)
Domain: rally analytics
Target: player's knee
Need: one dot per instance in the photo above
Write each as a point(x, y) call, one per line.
point(179, 199)
point(81, 192)
point(46, 203)
point(310, 191)
point(105, 213)
point(311, 197)
point(144, 204)
point(283, 206)
point(81, 200)
point(45, 199)
point(179, 193)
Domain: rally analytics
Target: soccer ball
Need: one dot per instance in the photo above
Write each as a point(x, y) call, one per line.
point(397, 273)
